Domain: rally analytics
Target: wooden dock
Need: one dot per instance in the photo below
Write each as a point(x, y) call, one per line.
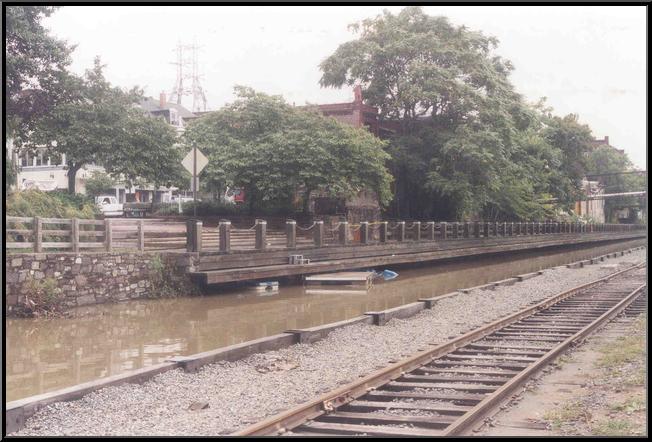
point(240, 265)
point(342, 278)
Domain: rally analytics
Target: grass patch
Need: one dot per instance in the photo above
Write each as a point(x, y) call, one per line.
point(637, 378)
point(569, 412)
point(631, 405)
point(625, 349)
point(613, 427)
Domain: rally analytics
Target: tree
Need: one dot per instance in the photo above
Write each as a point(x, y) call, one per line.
point(462, 127)
point(270, 148)
point(104, 126)
point(99, 183)
point(573, 140)
point(35, 67)
point(605, 163)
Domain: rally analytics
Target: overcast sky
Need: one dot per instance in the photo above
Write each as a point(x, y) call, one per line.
point(586, 60)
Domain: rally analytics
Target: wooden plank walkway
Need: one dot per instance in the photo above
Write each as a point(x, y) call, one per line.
point(216, 268)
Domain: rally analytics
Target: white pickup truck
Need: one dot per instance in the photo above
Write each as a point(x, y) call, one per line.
point(109, 205)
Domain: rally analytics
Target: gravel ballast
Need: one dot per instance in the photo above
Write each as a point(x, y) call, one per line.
point(246, 391)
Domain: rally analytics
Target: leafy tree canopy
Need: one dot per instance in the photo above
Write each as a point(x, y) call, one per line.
point(270, 148)
point(465, 138)
point(35, 68)
point(104, 126)
point(466, 145)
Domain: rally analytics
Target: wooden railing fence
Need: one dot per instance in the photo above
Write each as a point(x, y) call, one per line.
point(116, 234)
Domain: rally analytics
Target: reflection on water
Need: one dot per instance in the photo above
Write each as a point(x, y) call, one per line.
point(45, 355)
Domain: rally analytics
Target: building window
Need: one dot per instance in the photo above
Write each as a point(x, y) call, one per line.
point(174, 118)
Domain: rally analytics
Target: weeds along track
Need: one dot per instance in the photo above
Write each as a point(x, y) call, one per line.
point(449, 389)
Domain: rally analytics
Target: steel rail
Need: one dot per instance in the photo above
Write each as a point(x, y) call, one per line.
point(495, 399)
point(347, 393)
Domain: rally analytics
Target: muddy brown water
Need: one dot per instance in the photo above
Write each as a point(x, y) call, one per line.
point(43, 355)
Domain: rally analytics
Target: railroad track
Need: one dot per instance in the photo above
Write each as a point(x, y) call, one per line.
point(449, 389)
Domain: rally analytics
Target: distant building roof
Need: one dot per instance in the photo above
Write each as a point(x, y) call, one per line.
point(605, 142)
point(152, 105)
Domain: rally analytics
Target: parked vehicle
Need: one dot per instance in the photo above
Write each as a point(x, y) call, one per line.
point(137, 209)
point(109, 205)
point(234, 196)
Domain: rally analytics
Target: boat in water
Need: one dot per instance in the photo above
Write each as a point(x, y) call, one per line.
point(387, 275)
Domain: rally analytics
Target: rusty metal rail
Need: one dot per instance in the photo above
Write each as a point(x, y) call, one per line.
point(448, 389)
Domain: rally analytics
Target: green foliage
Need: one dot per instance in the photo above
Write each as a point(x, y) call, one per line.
point(41, 298)
point(30, 203)
point(99, 183)
point(573, 140)
point(271, 149)
point(466, 145)
point(103, 126)
point(35, 68)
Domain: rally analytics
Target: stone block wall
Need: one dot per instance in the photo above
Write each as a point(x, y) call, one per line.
point(95, 278)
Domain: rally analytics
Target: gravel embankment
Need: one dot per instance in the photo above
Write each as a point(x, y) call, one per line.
point(242, 392)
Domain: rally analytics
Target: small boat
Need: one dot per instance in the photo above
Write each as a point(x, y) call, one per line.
point(386, 275)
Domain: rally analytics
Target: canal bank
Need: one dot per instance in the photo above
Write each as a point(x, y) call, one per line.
point(105, 340)
point(241, 392)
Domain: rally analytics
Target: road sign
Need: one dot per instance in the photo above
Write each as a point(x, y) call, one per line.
point(194, 162)
point(187, 162)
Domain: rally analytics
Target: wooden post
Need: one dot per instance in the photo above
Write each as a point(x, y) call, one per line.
point(487, 228)
point(495, 229)
point(141, 235)
point(416, 228)
point(364, 232)
point(476, 229)
point(38, 234)
point(319, 233)
point(343, 237)
point(224, 228)
point(383, 232)
point(74, 234)
point(443, 230)
point(430, 230)
point(511, 229)
point(400, 236)
point(467, 231)
point(291, 234)
point(108, 235)
point(261, 234)
point(193, 235)
point(190, 235)
point(456, 230)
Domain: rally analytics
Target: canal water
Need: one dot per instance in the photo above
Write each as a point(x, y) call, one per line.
point(48, 354)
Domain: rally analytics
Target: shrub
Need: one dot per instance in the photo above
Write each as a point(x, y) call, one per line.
point(56, 204)
point(165, 209)
point(42, 298)
point(99, 183)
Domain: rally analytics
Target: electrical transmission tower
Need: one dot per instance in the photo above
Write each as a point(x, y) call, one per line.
point(187, 64)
